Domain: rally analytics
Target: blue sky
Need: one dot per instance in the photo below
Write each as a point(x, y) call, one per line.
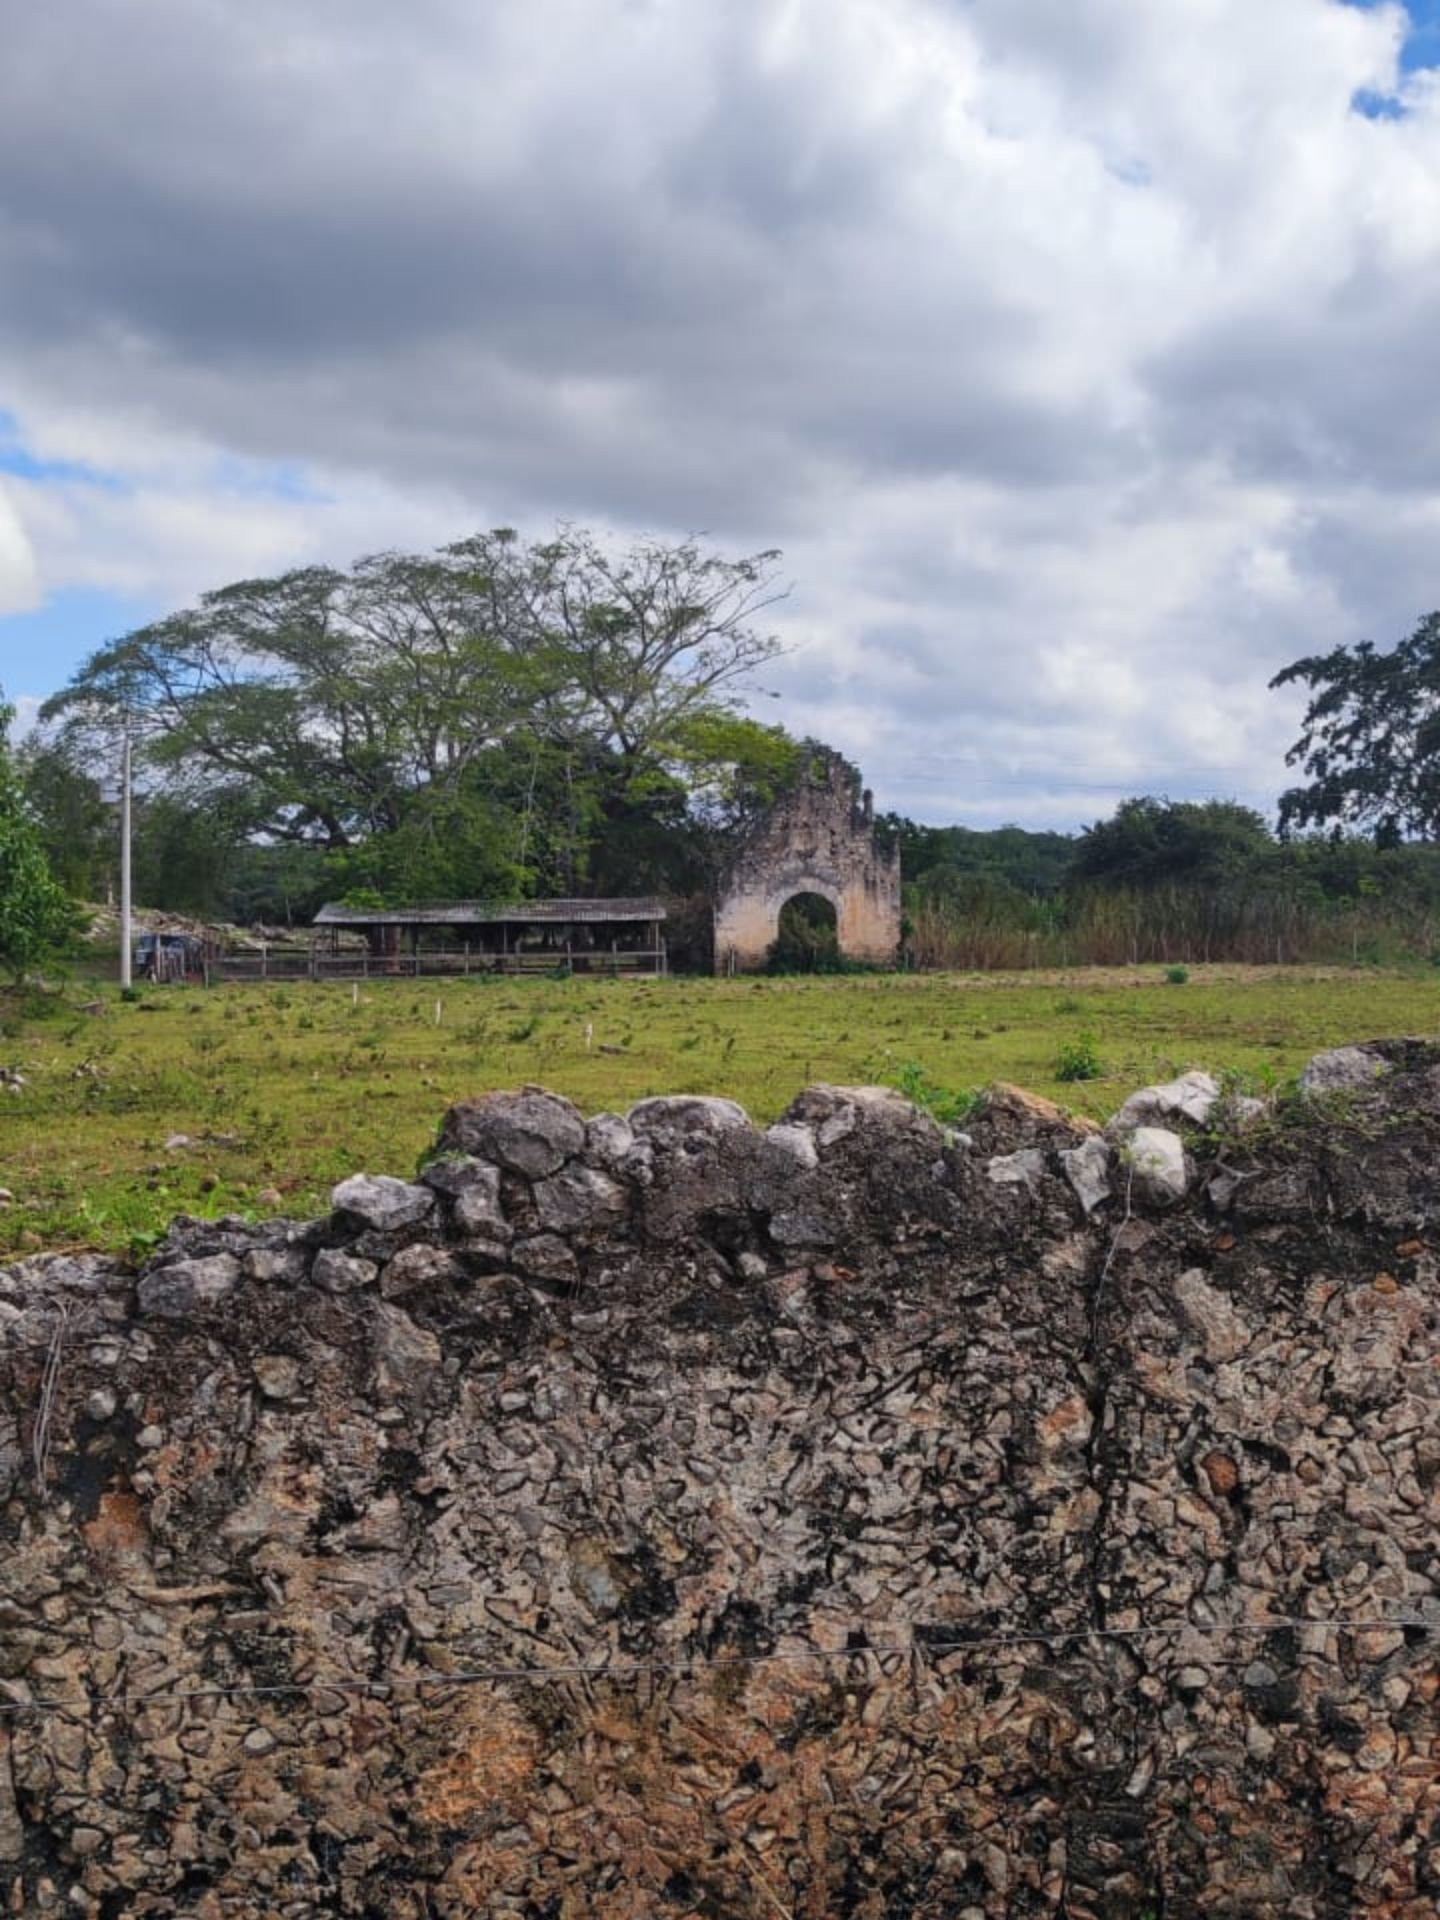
point(1068, 352)
point(1421, 50)
point(1422, 45)
point(41, 649)
point(42, 645)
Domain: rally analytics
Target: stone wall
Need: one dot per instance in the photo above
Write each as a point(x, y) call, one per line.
point(654, 1516)
point(819, 839)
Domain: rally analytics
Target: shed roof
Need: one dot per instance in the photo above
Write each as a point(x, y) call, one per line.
point(473, 913)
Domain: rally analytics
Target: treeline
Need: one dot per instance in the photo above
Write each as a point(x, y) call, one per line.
point(507, 718)
point(1165, 881)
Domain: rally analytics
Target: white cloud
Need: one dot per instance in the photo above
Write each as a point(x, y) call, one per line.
point(1076, 355)
point(27, 712)
point(19, 574)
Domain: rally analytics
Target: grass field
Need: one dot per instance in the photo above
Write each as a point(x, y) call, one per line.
point(284, 1090)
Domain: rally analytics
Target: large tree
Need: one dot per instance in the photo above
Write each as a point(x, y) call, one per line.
point(480, 720)
point(1149, 842)
point(1370, 740)
point(77, 827)
point(35, 914)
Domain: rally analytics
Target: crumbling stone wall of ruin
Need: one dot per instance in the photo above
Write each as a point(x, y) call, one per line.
point(655, 1516)
point(820, 838)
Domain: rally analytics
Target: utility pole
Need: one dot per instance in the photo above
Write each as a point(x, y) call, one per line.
point(125, 857)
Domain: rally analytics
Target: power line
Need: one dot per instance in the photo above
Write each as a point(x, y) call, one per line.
point(641, 1669)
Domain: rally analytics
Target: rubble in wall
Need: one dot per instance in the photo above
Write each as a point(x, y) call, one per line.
point(652, 1515)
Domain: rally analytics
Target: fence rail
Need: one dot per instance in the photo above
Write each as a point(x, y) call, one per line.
point(297, 963)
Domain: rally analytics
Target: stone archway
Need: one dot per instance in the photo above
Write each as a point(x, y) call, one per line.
point(820, 839)
point(807, 933)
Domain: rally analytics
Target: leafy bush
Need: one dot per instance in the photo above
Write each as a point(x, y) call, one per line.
point(36, 916)
point(1177, 976)
point(951, 1107)
point(1079, 1059)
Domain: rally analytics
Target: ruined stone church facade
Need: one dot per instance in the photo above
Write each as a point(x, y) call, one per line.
point(818, 839)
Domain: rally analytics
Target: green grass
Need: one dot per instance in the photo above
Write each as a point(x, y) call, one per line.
point(287, 1089)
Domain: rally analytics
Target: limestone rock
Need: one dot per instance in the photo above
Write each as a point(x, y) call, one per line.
point(277, 1375)
point(796, 1141)
point(57, 1275)
point(1223, 1330)
point(478, 1210)
point(1187, 1101)
point(609, 1140)
point(382, 1203)
point(282, 1265)
point(338, 1272)
point(1239, 1112)
point(1343, 1070)
point(1010, 1119)
point(835, 1113)
point(668, 1121)
point(188, 1286)
point(545, 1256)
point(1033, 1106)
point(420, 1265)
point(1023, 1169)
point(532, 1132)
point(408, 1356)
point(452, 1173)
point(12, 1827)
point(1158, 1169)
point(1087, 1168)
point(579, 1199)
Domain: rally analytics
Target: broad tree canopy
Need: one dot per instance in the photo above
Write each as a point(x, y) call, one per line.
point(1370, 740)
point(1149, 842)
point(477, 720)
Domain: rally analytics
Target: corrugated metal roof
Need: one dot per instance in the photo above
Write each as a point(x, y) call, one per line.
point(474, 913)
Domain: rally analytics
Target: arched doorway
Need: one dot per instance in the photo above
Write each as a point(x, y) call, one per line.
point(820, 838)
point(807, 936)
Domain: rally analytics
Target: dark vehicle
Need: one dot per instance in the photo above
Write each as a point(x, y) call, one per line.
point(169, 956)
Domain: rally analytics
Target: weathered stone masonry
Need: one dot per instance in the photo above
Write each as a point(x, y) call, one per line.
point(940, 1518)
point(819, 839)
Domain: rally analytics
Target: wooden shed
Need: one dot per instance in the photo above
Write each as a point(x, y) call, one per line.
point(474, 936)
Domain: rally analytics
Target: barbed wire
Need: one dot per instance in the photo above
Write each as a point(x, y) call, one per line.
point(626, 1671)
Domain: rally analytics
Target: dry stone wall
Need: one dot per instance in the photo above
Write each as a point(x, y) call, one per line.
point(652, 1515)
